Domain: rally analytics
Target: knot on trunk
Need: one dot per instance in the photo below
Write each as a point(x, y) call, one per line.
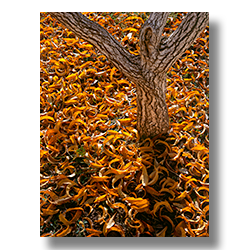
point(148, 42)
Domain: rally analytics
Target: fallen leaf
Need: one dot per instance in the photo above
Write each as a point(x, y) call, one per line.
point(160, 203)
point(46, 117)
point(64, 232)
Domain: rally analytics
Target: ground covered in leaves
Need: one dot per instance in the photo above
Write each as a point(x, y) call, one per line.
point(97, 179)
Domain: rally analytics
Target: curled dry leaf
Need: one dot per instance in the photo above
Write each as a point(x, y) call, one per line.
point(158, 204)
point(108, 224)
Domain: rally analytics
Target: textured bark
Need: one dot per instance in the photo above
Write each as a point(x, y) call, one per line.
point(173, 47)
point(148, 70)
point(152, 112)
point(96, 35)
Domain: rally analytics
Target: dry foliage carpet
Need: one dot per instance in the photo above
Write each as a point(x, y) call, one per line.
point(97, 179)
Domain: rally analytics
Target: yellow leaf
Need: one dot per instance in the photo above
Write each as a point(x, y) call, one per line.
point(134, 53)
point(70, 102)
point(125, 121)
point(132, 18)
point(199, 148)
point(85, 46)
point(108, 138)
point(130, 30)
point(72, 77)
point(181, 196)
point(188, 79)
point(127, 134)
point(42, 153)
point(188, 127)
point(113, 70)
point(62, 60)
point(53, 148)
point(84, 65)
point(83, 74)
point(91, 71)
point(47, 117)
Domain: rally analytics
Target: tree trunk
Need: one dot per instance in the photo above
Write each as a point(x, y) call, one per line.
point(148, 70)
point(152, 112)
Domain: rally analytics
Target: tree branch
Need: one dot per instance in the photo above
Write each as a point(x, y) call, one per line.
point(151, 34)
point(173, 47)
point(96, 35)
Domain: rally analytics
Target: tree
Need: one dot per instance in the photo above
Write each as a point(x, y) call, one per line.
point(147, 70)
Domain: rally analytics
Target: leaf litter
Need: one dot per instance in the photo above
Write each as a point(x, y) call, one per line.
point(96, 178)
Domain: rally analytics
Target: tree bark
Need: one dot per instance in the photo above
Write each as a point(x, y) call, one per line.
point(96, 35)
point(148, 70)
point(152, 111)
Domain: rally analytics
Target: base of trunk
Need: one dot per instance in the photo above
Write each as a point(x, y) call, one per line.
point(152, 112)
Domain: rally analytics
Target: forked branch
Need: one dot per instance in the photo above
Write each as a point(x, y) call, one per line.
point(173, 47)
point(151, 35)
point(157, 53)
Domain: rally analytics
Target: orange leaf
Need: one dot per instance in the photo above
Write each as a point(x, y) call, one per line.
point(64, 220)
point(155, 175)
point(125, 121)
point(152, 191)
point(113, 70)
point(49, 212)
point(72, 77)
point(138, 204)
point(64, 232)
point(99, 179)
point(93, 232)
point(100, 198)
point(160, 203)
